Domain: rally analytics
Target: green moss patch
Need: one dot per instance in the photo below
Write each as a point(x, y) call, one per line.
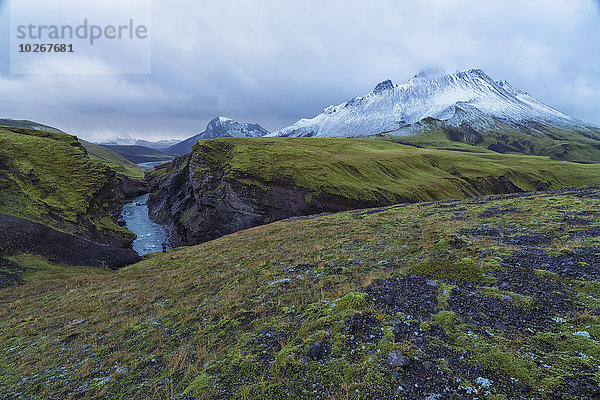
point(374, 170)
point(465, 270)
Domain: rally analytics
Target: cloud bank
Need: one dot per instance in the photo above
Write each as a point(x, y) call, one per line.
point(273, 62)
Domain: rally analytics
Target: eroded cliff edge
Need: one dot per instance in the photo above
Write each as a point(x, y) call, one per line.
point(48, 178)
point(198, 198)
point(226, 185)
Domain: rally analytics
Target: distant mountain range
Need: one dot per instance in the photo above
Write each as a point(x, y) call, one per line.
point(158, 145)
point(141, 151)
point(139, 154)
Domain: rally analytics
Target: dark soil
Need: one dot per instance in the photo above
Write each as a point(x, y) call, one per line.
point(11, 273)
point(583, 264)
point(18, 235)
point(442, 365)
point(411, 294)
point(435, 372)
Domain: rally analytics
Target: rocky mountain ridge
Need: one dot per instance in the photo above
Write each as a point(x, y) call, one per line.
point(465, 96)
point(218, 127)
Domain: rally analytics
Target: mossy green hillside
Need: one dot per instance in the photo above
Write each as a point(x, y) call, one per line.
point(22, 123)
point(114, 160)
point(47, 177)
point(235, 317)
point(139, 154)
point(371, 170)
point(578, 145)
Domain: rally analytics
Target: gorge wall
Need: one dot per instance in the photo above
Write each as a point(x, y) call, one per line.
point(198, 202)
point(226, 185)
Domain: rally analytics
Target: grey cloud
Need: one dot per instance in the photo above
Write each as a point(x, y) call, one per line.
point(273, 62)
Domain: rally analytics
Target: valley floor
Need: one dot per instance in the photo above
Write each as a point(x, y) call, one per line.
point(494, 297)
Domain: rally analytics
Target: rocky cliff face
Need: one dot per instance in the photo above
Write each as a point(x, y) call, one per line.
point(197, 200)
point(133, 187)
point(227, 185)
point(99, 223)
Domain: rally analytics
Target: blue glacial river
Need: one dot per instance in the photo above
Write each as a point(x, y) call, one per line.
point(149, 234)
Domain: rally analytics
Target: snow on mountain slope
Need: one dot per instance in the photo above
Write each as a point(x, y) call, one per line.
point(222, 126)
point(218, 127)
point(466, 96)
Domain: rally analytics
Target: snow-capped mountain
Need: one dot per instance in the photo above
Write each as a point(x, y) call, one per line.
point(469, 97)
point(217, 128)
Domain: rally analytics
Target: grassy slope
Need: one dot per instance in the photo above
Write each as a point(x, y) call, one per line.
point(139, 154)
point(46, 177)
point(114, 160)
point(233, 318)
point(550, 141)
point(21, 123)
point(370, 170)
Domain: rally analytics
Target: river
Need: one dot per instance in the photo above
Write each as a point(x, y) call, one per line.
point(151, 164)
point(149, 234)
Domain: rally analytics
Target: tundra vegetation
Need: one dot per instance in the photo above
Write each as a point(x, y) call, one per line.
point(492, 297)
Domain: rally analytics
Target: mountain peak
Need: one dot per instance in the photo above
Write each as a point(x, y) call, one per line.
point(473, 74)
point(430, 73)
point(218, 121)
point(224, 126)
point(385, 85)
point(477, 71)
point(219, 127)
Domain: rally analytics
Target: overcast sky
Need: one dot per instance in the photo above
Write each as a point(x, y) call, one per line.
point(274, 62)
